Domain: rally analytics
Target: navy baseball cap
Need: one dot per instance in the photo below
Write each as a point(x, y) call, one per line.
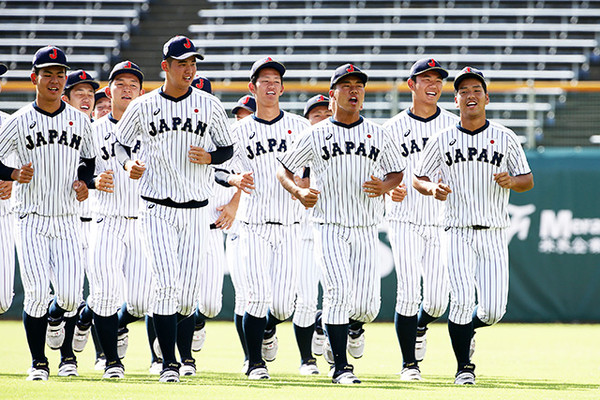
point(126, 67)
point(470, 72)
point(316, 101)
point(266, 62)
point(49, 56)
point(80, 76)
point(203, 84)
point(247, 103)
point(100, 93)
point(180, 48)
point(346, 70)
point(427, 64)
point(3, 69)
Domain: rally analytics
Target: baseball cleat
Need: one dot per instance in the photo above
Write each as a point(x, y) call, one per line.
point(345, 376)
point(421, 344)
point(80, 337)
point(114, 372)
point(245, 367)
point(269, 348)
point(309, 367)
point(356, 343)
point(198, 339)
point(465, 375)
point(318, 340)
point(410, 374)
point(169, 375)
point(328, 353)
point(37, 374)
point(55, 335)
point(156, 348)
point(472, 347)
point(100, 364)
point(156, 368)
point(122, 342)
point(188, 368)
point(258, 372)
point(68, 368)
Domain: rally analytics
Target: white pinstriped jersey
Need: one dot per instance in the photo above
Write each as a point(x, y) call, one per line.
point(343, 157)
point(221, 196)
point(467, 161)
point(4, 204)
point(259, 143)
point(168, 127)
point(53, 143)
point(411, 133)
point(124, 201)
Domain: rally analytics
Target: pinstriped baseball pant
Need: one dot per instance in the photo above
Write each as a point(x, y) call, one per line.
point(271, 268)
point(352, 285)
point(211, 293)
point(419, 254)
point(50, 252)
point(237, 272)
point(307, 291)
point(7, 261)
point(478, 265)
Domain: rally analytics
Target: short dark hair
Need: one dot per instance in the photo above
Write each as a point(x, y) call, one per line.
point(255, 77)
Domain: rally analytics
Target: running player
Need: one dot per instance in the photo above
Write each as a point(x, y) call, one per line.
point(479, 163)
point(269, 216)
point(245, 106)
point(309, 336)
point(353, 162)
point(414, 223)
point(176, 124)
point(101, 104)
point(56, 152)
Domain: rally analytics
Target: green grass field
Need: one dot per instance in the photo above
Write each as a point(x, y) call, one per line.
point(514, 361)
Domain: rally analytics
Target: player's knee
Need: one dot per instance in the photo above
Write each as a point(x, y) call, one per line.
point(210, 310)
point(436, 310)
point(491, 317)
point(407, 307)
point(5, 305)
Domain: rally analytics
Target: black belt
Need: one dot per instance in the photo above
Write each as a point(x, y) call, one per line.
point(170, 203)
point(213, 226)
point(479, 227)
point(130, 217)
point(85, 219)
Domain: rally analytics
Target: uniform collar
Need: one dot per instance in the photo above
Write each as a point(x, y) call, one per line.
point(476, 131)
point(176, 99)
point(55, 113)
point(271, 122)
point(434, 116)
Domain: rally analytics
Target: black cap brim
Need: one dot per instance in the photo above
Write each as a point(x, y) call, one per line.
point(363, 77)
point(3, 69)
point(443, 73)
point(188, 55)
point(95, 85)
point(132, 71)
point(51, 65)
point(324, 103)
point(466, 75)
point(270, 64)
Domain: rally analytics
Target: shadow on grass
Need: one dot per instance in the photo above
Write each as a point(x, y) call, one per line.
point(215, 379)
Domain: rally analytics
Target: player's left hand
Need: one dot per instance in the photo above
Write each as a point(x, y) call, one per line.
point(304, 183)
point(5, 189)
point(81, 190)
point(504, 180)
point(226, 217)
point(374, 188)
point(399, 193)
point(198, 155)
point(104, 181)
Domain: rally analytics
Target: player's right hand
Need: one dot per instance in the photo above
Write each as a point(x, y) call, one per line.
point(135, 168)
point(5, 190)
point(24, 174)
point(308, 197)
point(441, 191)
point(244, 182)
point(399, 193)
point(105, 182)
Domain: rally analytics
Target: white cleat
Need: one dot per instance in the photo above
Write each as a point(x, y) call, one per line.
point(80, 338)
point(122, 342)
point(317, 343)
point(198, 339)
point(114, 372)
point(269, 348)
point(156, 348)
point(55, 335)
point(37, 374)
point(421, 344)
point(346, 378)
point(410, 374)
point(356, 344)
point(68, 368)
point(187, 369)
point(245, 367)
point(309, 368)
point(169, 375)
point(465, 378)
point(156, 368)
point(258, 373)
point(100, 364)
point(472, 347)
point(327, 353)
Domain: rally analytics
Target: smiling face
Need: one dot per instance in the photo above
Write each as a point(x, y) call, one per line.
point(49, 84)
point(124, 88)
point(348, 95)
point(268, 87)
point(102, 107)
point(426, 87)
point(318, 114)
point(471, 99)
point(81, 96)
point(179, 74)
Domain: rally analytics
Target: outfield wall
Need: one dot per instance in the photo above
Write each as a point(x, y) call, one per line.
point(554, 247)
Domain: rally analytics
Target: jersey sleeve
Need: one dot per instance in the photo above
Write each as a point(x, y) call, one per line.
point(390, 157)
point(301, 153)
point(517, 161)
point(431, 160)
point(129, 127)
point(8, 132)
point(219, 127)
point(89, 149)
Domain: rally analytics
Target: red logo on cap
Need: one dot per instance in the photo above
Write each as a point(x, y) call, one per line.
point(83, 75)
point(200, 84)
point(187, 44)
point(431, 63)
point(468, 69)
point(268, 59)
point(128, 65)
point(246, 100)
point(321, 98)
point(53, 55)
point(350, 68)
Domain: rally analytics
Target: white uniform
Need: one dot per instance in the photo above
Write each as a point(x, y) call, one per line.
point(270, 217)
point(476, 215)
point(415, 231)
point(48, 226)
point(7, 247)
point(175, 235)
point(343, 157)
point(118, 255)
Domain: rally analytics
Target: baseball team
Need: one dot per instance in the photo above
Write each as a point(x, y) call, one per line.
point(152, 196)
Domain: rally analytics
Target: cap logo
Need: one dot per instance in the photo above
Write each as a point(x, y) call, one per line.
point(350, 68)
point(431, 63)
point(200, 84)
point(83, 75)
point(187, 44)
point(321, 98)
point(128, 65)
point(246, 99)
point(53, 55)
point(268, 59)
point(468, 69)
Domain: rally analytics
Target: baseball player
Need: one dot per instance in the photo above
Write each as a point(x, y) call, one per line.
point(353, 162)
point(176, 124)
point(101, 104)
point(270, 217)
point(414, 223)
point(479, 163)
point(53, 143)
point(7, 239)
point(310, 338)
point(245, 106)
